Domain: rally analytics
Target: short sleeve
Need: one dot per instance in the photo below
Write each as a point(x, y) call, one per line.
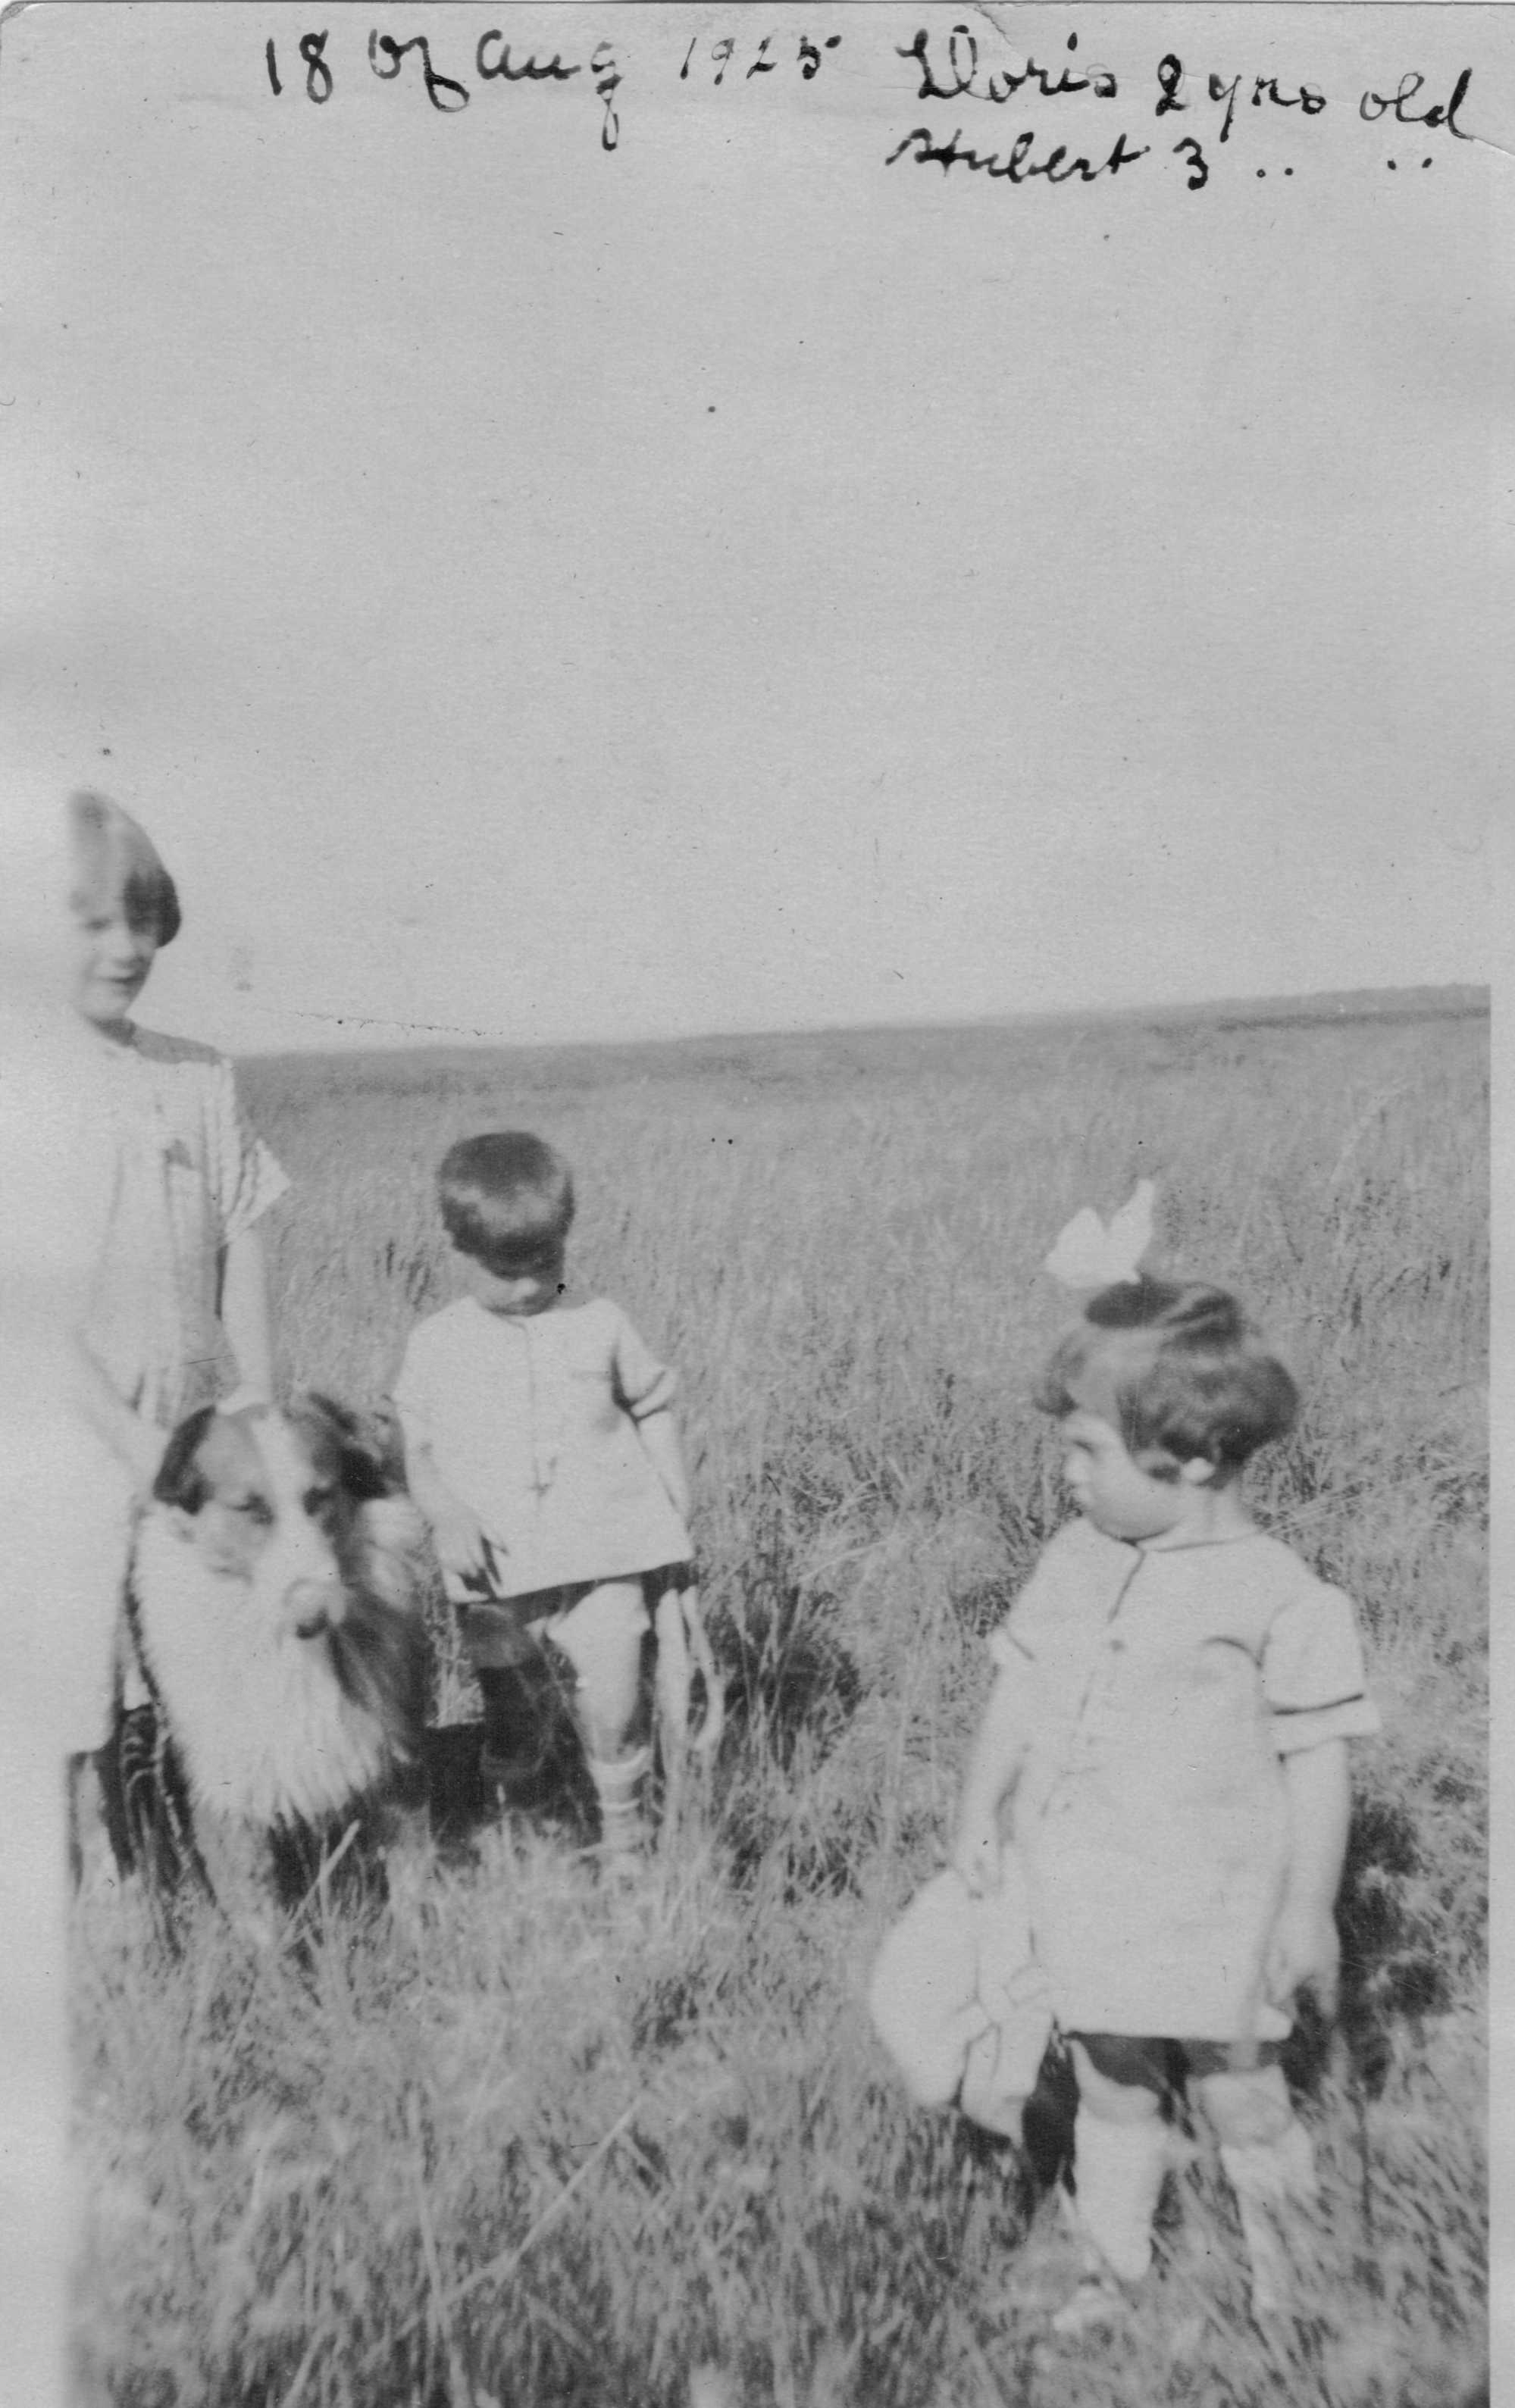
point(247, 1178)
point(1021, 1637)
point(642, 1384)
point(1313, 1676)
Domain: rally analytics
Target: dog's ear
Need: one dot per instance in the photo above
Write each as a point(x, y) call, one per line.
point(359, 1468)
point(181, 1481)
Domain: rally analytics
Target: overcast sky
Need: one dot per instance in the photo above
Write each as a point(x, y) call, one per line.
point(533, 591)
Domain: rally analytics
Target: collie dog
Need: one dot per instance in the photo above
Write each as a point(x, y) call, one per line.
point(275, 1604)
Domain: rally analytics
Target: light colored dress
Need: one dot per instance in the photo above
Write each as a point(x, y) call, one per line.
point(1163, 1686)
point(531, 1423)
point(181, 1175)
point(190, 1177)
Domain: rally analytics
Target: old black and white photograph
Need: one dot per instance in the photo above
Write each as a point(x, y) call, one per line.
point(749, 771)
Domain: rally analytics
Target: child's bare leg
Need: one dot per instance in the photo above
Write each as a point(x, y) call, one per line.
point(1121, 2154)
point(601, 1636)
point(1270, 2165)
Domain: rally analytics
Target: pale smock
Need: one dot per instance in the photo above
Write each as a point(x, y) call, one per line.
point(1162, 1687)
point(181, 1175)
point(531, 1421)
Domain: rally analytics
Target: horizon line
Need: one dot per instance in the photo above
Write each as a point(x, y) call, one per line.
point(1475, 1000)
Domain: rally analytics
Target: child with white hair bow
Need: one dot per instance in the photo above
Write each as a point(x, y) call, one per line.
point(1174, 1696)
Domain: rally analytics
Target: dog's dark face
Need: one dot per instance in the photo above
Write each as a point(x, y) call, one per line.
point(269, 1498)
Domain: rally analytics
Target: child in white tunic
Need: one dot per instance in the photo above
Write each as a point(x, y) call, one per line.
point(1171, 1712)
point(541, 1447)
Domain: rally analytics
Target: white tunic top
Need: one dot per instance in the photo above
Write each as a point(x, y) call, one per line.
point(531, 1421)
point(1164, 1685)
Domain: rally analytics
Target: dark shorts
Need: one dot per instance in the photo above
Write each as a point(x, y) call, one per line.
point(500, 1633)
point(497, 1632)
point(1165, 2065)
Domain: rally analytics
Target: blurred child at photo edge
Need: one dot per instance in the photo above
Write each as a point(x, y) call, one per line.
point(1173, 1700)
point(130, 1185)
point(177, 1312)
point(541, 1448)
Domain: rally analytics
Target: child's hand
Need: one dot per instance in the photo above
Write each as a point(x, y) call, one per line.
point(976, 1855)
point(458, 1535)
point(1305, 1951)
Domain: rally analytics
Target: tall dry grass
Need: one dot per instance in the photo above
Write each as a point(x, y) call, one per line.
point(531, 2143)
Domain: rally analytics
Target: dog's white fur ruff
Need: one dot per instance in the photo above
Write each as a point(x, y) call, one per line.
point(264, 1729)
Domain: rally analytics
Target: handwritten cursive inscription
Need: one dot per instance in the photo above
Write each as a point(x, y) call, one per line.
point(489, 69)
point(443, 91)
point(951, 64)
point(448, 94)
point(1018, 166)
point(1373, 105)
point(1173, 83)
point(959, 77)
point(807, 57)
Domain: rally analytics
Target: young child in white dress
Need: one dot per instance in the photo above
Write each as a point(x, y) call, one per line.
point(1173, 1696)
point(541, 1448)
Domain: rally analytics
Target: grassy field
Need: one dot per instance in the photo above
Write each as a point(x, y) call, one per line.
point(530, 2143)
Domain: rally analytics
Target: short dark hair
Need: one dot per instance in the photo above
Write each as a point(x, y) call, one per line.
point(507, 1199)
point(116, 859)
point(1175, 1366)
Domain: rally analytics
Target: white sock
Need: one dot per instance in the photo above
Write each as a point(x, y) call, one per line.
point(618, 1788)
point(1119, 2169)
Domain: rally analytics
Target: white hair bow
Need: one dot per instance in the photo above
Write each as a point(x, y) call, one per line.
point(1090, 1252)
